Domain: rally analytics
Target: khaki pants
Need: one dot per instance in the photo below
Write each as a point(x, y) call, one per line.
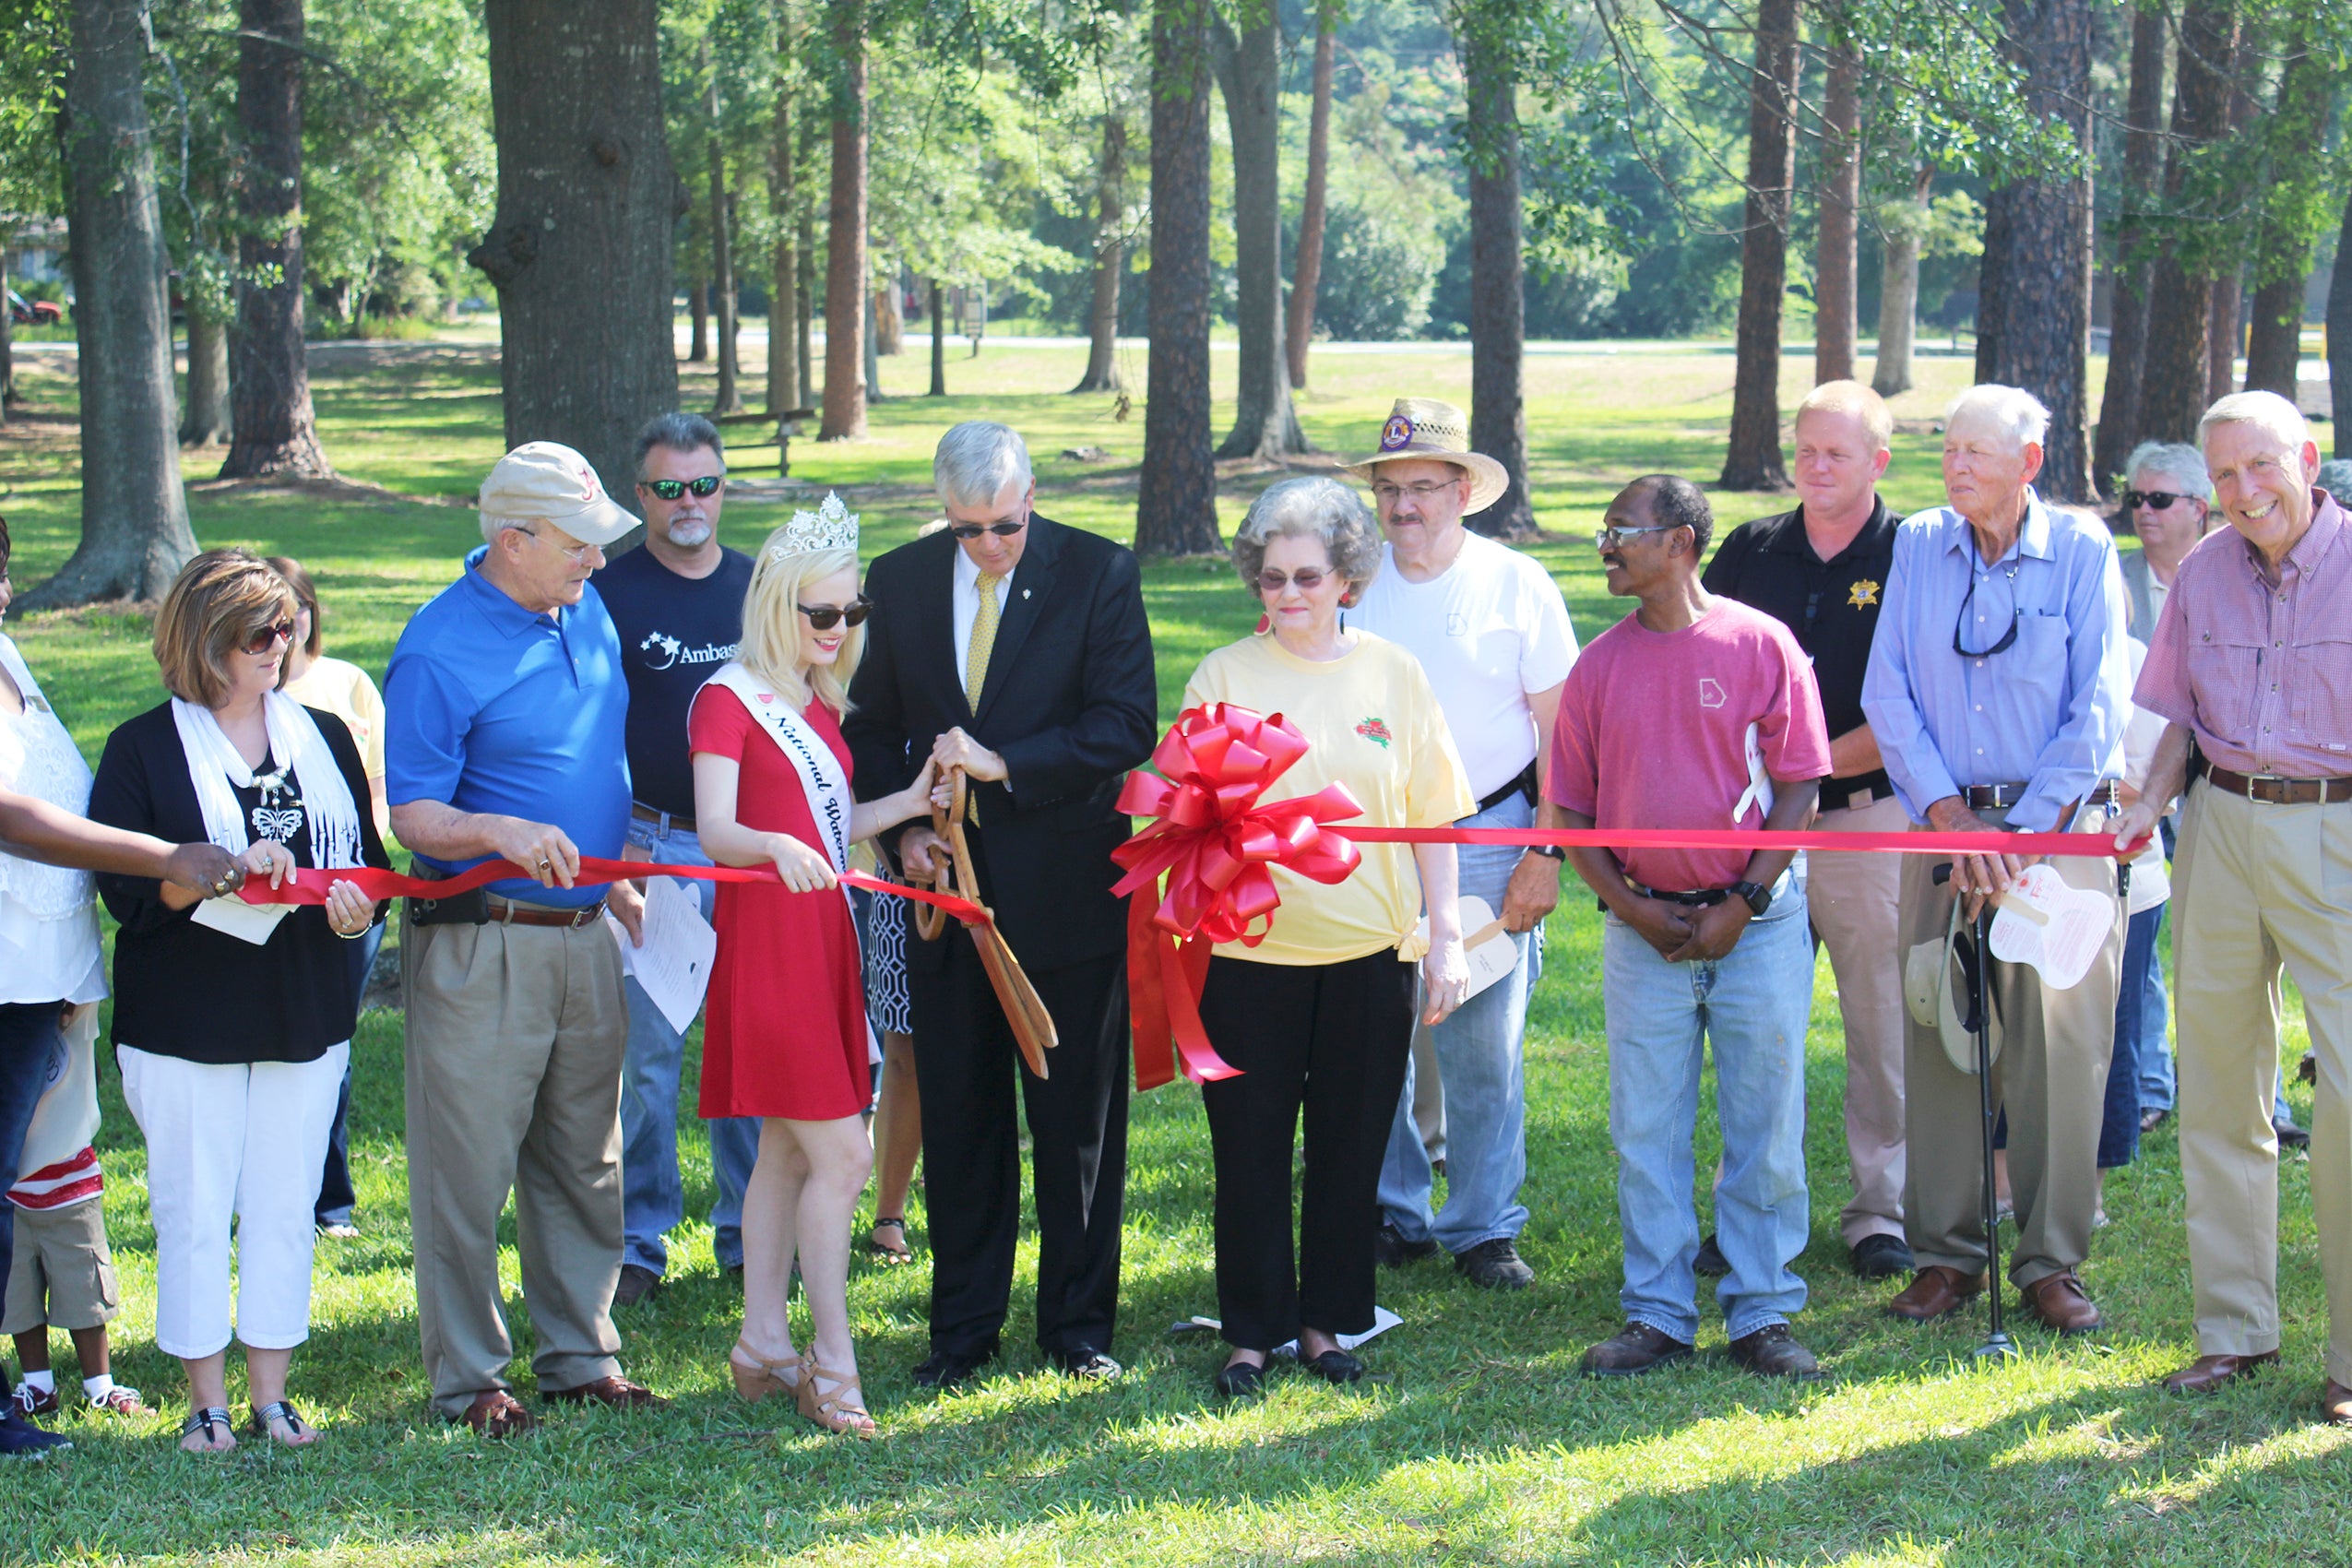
point(1856, 904)
point(2051, 1077)
point(514, 1044)
point(2254, 885)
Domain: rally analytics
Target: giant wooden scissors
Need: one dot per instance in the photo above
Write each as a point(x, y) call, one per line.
point(1023, 1010)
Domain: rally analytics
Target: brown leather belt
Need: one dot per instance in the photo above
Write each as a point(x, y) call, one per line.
point(2272, 791)
point(1999, 797)
point(647, 813)
point(506, 911)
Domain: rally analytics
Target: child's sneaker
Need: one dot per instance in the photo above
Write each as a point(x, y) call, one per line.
point(121, 1401)
point(31, 1401)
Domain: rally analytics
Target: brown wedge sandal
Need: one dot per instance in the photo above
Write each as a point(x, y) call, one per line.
point(756, 1379)
point(843, 1410)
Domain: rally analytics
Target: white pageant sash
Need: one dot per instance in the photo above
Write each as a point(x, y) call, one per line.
point(821, 775)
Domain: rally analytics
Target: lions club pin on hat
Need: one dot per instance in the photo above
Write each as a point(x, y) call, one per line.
point(1427, 430)
point(546, 479)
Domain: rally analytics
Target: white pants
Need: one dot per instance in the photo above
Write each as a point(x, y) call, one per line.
point(244, 1145)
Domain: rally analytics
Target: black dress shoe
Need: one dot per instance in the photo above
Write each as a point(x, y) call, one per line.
point(945, 1369)
point(1241, 1380)
point(1883, 1257)
point(1335, 1366)
point(1710, 1264)
point(1392, 1251)
point(2290, 1135)
point(1085, 1361)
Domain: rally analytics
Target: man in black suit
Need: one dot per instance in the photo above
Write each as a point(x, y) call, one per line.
point(1018, 649)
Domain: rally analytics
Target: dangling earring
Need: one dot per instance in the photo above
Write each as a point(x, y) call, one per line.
point(1265, 623)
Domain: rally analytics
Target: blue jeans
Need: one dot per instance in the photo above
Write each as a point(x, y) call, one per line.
point(1754, 1005)
point(653, 1198)
point(28, 1043)
point(1478, 1057)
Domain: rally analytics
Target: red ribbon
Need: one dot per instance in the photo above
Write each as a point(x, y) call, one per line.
point(309, 883)
point(2095, 845)
point(1217, 847)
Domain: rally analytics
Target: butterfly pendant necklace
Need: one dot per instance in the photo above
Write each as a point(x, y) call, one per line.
point(279, 816)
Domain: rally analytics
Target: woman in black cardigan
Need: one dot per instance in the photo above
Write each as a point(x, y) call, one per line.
point(232, 1030)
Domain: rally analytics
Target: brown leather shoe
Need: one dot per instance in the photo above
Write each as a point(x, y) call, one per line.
point(1935, 1291)
point(2208, 1372)
point(2058, 1301)
point(618, 1393)
point(2335, 1404)
point(1632, 1349)
point(498, 1414)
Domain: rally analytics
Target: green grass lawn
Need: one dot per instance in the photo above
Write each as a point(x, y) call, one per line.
point(1473, 1442)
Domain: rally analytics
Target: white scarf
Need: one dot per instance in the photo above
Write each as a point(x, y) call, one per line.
point(294, 741)
point(821, 775)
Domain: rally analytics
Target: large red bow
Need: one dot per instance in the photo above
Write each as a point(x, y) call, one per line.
point(1217, 847)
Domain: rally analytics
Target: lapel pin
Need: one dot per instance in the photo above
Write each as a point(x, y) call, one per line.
point(1025, 593)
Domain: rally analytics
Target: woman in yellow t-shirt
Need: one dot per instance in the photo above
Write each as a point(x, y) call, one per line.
point(1319, 1015)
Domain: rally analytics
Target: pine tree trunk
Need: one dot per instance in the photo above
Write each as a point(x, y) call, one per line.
point(2173, 384)
point(276, 430)
point(1307, 275)
point(1898, 296)
point(2283, 263)
point(204, 412)
point(1176, 500)
point(135, 514)
point(2221, 337)
point(783, 272)
point(722, 265)
point(580, 247)
point(1840, 202)
point(8, 341)
point(698, 323)
point(2339, 339)
point(2274, 343)
point(871, 369)
point(804, 301)
point(2127, 341)
point(889, 319)
point(1753, 459)
point(1249, 70)
point(844, 250)
point(1109, 261)
point(2045, 335)
point(1993, 296)
point(1498, 279)
point(939, 340)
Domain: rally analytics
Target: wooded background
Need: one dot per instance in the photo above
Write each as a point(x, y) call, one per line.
point(2160, 183)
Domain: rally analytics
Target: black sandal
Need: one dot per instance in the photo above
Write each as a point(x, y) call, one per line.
point(899, 1253)
point(278, 1410)
point(203, 1421)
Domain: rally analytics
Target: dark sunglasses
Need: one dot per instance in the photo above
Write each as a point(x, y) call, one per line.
point(1306, 582)
point(671, 489)
point(2008, 638)
point(973, 530)
point(268, 637)
point(824, 617)
point(2157, 499)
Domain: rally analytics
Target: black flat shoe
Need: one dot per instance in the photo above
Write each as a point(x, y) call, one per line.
point(1241, 1380)
point(945, 1369)
point(1335, 1366)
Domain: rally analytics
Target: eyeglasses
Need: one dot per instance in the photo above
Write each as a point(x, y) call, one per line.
point(973, 530)
point(824, 617)
point(2007, 638)
point(2154, 500)
point(268, 637)
point(1611, 538)
point(1388, 493)
point(671, 489)
point(576, 554)
point(1305, 582)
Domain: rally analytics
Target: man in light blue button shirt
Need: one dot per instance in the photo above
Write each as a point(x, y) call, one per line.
point(1999, 687)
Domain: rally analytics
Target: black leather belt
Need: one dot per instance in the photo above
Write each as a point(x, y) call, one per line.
point(1703, 899)
point(1999, 797)
point(2272, 791)
point(1523, 785)
point(647, 813)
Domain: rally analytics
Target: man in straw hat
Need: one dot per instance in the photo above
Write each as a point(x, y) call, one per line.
point(1492, 631)
point(504, 710)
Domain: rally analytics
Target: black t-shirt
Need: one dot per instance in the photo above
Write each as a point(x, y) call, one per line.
point(1832, 606)
point(675, 632)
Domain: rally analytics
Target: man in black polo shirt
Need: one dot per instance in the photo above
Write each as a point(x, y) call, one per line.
point(678, 604)
point(1821, 570)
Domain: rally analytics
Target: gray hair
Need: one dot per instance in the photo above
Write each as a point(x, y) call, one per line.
point(975, 461)
point(2335, 478)
point(1315, 508)
point(2175, 460)
point(679, 433)
point(2267, 412)
point(493, 524)
point(2018, 412)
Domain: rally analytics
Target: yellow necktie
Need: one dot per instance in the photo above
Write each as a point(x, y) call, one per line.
point(984, 639)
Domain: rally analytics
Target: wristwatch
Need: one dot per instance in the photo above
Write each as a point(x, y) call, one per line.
point(1755, 895)
point(1548, 851)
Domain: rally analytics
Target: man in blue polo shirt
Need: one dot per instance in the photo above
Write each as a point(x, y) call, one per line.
point(504, 714)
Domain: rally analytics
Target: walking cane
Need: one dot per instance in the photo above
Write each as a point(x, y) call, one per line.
point(1997, 1345)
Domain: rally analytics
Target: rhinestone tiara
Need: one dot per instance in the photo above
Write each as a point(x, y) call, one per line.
point(831, 527)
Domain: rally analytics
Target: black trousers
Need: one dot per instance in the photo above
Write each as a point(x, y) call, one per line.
point(1330, 1039)
point(966, 1061)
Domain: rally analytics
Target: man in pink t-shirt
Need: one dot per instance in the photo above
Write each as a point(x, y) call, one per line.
point(1696, 712)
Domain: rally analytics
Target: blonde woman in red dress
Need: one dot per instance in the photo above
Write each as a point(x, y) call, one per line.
point(785, 1036)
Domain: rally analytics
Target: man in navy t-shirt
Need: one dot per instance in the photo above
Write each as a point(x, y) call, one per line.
point(677, 605)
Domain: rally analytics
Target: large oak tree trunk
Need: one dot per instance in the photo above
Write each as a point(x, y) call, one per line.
point(2045, 333)
point(135, 514)
point(2173, 386)
point(2275, 347)
point(1752, 461)
point(889, 319)
point(1993, 296)
point(2339, 338)
point(580, 248)
point(722, 265)
point(1266, 426)
point(1498, 277)
point(1176, 505)
point(845, 249)
point(784, 271)
point(1898, 293)
point(2142, 175)
point(1109, 261)
point(276, 430)
point(204, 412)
point(2274, 343)
point(1840, 198)
point(1314, 202)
